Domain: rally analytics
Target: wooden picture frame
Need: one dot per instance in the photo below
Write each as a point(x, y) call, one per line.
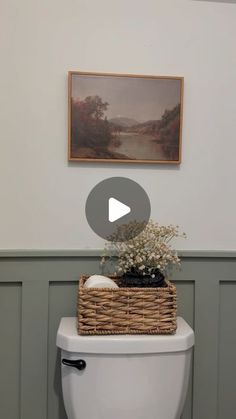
point(125, 118)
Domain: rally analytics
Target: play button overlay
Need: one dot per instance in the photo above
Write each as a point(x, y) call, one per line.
point(117, 207)
point(117, 210)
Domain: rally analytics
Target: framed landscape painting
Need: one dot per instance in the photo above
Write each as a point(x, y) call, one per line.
point(125, 118)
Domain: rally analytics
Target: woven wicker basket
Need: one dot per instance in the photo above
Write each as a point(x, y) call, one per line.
point(104, 311)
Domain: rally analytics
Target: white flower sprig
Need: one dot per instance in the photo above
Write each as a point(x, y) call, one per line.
point(148, 251)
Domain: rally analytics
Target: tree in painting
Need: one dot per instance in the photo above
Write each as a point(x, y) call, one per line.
point(169, 132)
point(89, 128)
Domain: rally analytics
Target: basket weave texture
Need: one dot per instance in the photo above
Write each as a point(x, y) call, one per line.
point(104, 311)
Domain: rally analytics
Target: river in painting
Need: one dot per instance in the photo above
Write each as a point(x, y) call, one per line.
point(138, 146)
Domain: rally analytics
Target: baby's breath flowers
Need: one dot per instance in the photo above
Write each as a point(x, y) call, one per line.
point(146, 253)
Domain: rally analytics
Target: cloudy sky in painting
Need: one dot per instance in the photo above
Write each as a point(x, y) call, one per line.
point(137, 98)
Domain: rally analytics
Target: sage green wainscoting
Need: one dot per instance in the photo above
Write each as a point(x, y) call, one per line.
point(37, 288)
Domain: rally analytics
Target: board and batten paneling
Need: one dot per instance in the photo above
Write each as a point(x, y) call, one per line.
point(38, 288)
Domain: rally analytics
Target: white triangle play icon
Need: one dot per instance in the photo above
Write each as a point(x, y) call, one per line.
point(117, 209)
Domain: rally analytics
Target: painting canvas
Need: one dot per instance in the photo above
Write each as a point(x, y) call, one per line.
point(125, 118)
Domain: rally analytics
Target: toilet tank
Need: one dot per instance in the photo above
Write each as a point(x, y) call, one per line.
point(124, 376)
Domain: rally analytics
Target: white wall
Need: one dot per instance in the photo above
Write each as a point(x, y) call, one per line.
point(42, 197)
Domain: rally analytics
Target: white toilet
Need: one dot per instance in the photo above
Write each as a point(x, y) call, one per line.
point(124, 376)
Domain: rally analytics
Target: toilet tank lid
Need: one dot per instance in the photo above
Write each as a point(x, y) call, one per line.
point(69, 340)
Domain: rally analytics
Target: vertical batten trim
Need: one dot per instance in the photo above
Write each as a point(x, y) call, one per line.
point(34, 338)
point(206, 348)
